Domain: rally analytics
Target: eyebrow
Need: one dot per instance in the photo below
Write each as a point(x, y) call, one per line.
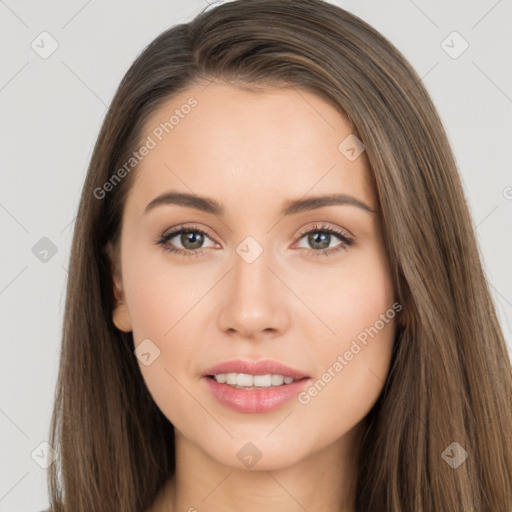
point(291, 207)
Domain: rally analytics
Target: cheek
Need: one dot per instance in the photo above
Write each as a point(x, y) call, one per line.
point(159, 313)
point(162, 299)
point(353, 359)
point(352, 369)
point(351, 296)
point(159, 293)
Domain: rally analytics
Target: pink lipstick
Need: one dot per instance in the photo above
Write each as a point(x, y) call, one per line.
point(254, 386)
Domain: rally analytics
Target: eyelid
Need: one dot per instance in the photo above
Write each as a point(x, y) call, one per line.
point(325, 225)
point(186, 227)
point(317, 225)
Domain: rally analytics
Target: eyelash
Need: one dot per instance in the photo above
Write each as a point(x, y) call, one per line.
point(345, 239)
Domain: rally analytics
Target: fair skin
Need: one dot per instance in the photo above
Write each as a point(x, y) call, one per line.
point(253, 152)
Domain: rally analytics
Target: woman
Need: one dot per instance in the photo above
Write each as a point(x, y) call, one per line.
point(275, 297)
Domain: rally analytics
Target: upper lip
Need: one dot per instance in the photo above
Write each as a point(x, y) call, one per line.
point(261, 367)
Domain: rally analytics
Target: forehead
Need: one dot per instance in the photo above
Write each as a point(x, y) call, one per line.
point(231, 143)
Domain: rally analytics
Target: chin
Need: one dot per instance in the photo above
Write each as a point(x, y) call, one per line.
point(255, 453)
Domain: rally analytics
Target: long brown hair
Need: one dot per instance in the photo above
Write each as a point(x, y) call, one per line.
point(450, 380)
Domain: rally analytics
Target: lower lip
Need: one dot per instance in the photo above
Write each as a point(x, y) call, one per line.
point(255, 400)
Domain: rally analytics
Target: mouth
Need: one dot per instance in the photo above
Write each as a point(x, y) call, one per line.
point(254, 387)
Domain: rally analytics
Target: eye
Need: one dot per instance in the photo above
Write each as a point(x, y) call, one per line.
point(320, 238)
point(192, 240)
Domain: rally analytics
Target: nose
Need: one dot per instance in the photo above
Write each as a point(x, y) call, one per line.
point(254, 300)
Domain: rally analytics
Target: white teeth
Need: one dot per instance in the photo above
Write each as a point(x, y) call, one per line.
point(277, 380)
point(241, 380)
point(262, 381)
point(222, 377)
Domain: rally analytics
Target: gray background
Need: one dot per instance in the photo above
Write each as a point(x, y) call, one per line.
point(51, 113)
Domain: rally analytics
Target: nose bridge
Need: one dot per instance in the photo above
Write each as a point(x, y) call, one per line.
point(251, 273)
point(253, 302)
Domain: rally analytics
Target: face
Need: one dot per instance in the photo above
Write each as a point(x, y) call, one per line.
point(309, 288)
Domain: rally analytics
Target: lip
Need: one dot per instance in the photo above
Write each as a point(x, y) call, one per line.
point(254, 400)
point(261, 367)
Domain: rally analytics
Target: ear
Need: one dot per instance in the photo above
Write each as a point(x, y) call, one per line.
point(120, 315)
